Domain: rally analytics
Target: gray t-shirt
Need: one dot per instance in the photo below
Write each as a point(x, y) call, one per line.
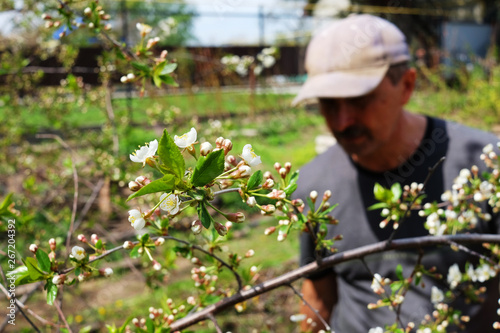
point(352, 188)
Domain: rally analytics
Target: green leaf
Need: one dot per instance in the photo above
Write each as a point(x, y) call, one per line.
point(170, 156)
point(204, 215)
point(329, 209)
point(164, 184)
point(395, 286)
point(21, 274)
point(98, 245)
point(290, 189)
point(207, 168)
point(51, 292)
point(396, 191)
point(142, 67)
point(379, 192)
point(157, 81)
point(34, 272)
point(379, 205)
point(150, 325)
point(6, 202)
point(399, 272)
point(167, 79)
point(135, 252)
point(43, 260)
point(310, 203)
point(168, 68)
point(86, 329)
point(255, 180)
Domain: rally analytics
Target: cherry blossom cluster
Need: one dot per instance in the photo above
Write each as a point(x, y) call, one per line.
point(266, 58)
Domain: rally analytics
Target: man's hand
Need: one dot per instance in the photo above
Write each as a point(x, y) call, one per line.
point(321, 294)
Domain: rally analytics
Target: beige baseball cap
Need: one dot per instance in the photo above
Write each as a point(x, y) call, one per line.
point(350, 57)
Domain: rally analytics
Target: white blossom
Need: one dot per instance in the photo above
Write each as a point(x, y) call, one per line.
point(78, 253)
point(186, 139)
point(437, 295)
point(454, 276)
point(144, 29)
point(144, 152)
point(484, 272)
point(170, 203)
point(488, 148)
point(136, 219)
point(376, 330)
point(297, 317)
point(249, 156)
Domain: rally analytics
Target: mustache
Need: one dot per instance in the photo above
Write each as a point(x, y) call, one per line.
point(352, 132)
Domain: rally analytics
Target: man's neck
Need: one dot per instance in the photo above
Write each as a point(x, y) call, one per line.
point(403, 143)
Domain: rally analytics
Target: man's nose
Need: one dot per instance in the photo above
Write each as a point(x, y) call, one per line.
point(344, 117)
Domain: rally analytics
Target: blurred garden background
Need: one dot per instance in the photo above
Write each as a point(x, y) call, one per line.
point(68, 125)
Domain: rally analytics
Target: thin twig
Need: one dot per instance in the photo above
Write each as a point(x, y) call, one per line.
point(89, 203)
point(316, 312)
point(212, 318)
point(27, 318)
point(408, 209)
point(474, 253)
point(61, 315)
point(228, 190)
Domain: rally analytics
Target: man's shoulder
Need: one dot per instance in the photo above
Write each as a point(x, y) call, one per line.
point(460, 134)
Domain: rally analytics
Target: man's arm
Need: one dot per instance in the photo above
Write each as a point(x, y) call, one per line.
point(321, 294)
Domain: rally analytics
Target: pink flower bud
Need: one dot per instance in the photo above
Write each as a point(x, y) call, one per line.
point(288, 166)
point(221, 229)
point(33, 248)
point(52, 244)
point(94, 238)
point(269, 231)
point(46, 16)
point(164, 54)
point(268, 175)
point(267, 209)
point(191, 300)
point(82, 238)
point(277, 166)
point(219, 141)
point(231, 160)
point(196, 227)
point(58, 279)
point(277, 194)
point(236, 217)
point(106, 272)
point(228, 225)
point(52, 256)
point(250, 253)
point(206, 148)
point(268, 184)
point(245, 171)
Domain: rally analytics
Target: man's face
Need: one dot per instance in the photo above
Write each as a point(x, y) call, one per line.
point(363, 125)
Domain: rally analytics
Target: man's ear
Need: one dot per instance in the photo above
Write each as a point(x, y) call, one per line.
point(408, 82)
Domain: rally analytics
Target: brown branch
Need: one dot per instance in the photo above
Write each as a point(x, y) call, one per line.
point(90, 201)
point(212, 318)
point(61, 315)
point(398, 244)
point(316, 312)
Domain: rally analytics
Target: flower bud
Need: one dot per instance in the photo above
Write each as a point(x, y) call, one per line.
point(277, 194)
point(221, 229)
point(206, 148)
point(268, 184)
point(236, 217)
point(52, 244)
point(277, 166)
point(269, 231)
point(244, 171)
point(327, 195)
point(33, 248)
point(160, 241)
point(250, 253)
point(230, 159)
point(123, 79)
point(46, 16)
point(94, 238)
point(106, 272)
point(219, 141)
point(128, 245)
point(156, 265)
point(164, 54)
point(228, 225)
point(191, 300)
point(82, 238)
point(313, 195)
point(58, 279)
point(227, 145)
point(267, 209)
point(283, 173)
point(251, 201)
point(288, 166)
point(268, 175)
point(196, 227)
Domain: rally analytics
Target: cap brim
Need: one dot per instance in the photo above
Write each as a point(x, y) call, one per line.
point(341, 84)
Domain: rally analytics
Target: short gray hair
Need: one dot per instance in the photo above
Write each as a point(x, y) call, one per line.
point(396, 72)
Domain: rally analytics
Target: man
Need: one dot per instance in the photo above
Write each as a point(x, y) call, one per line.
point(358, 71)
